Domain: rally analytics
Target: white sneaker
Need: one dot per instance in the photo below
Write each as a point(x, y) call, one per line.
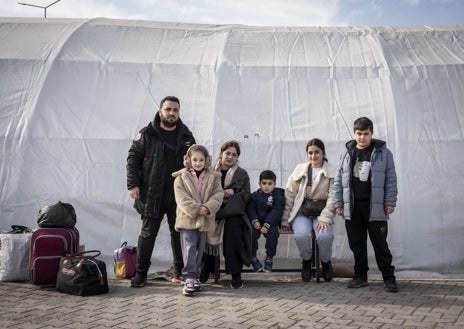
point(189, 287)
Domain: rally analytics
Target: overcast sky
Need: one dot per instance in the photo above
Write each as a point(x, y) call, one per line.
point(253, 12)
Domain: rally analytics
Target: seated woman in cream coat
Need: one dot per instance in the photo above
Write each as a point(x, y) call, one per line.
point(318, 187)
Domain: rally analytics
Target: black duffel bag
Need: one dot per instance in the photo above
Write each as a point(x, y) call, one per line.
point(60, 214)
point(82, 274)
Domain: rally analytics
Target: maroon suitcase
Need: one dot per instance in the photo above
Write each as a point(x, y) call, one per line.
point(48, 245)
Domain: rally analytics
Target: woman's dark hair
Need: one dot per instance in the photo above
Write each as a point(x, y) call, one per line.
point(228, 144)
point(317, 142)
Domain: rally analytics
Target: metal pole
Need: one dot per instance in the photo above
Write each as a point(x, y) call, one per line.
point(43, 7)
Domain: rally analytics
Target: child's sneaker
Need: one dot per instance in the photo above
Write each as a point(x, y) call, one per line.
point(268, 265)
point(257, 266)
point(189, 287)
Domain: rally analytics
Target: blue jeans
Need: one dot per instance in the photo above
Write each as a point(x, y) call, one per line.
point(302, 227)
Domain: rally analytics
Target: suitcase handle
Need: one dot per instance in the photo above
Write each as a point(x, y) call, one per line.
point(17, 229)
point(89, 254)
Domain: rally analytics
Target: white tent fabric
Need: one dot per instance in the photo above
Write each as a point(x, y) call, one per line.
point(75, 92)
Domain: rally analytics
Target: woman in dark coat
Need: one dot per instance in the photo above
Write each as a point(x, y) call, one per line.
point(232, 234)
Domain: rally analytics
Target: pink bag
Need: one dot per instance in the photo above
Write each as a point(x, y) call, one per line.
point(125, 261)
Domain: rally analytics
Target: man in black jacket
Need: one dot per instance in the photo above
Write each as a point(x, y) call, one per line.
point(156, 152)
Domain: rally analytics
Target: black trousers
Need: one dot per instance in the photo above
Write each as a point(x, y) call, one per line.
point(149, 232)
point(233, 245)
point(357, 230)
point(272, 237)
point(207, 263)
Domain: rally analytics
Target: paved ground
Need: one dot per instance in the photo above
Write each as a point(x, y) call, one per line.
point(278, 300)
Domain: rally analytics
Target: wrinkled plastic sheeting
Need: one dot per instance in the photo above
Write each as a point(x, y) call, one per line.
point(75, 92)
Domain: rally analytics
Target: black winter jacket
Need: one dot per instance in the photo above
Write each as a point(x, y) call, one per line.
point(267, 208)
point(146, 165)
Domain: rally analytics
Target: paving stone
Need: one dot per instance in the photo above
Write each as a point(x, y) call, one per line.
point(263, 303)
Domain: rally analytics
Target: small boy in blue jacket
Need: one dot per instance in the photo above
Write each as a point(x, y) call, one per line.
point(265, 210)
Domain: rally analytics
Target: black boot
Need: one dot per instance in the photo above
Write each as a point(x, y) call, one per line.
point(139, 279)
point(306, 270)
point(236, 282)
point(327, 271)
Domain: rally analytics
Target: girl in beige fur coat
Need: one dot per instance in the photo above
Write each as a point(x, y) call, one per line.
point(199, 195)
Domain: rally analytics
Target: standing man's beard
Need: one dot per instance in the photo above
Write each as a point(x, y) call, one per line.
point(168, 123)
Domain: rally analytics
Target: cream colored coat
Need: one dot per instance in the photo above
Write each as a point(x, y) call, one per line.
point(189, 200)
point(322, 189)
